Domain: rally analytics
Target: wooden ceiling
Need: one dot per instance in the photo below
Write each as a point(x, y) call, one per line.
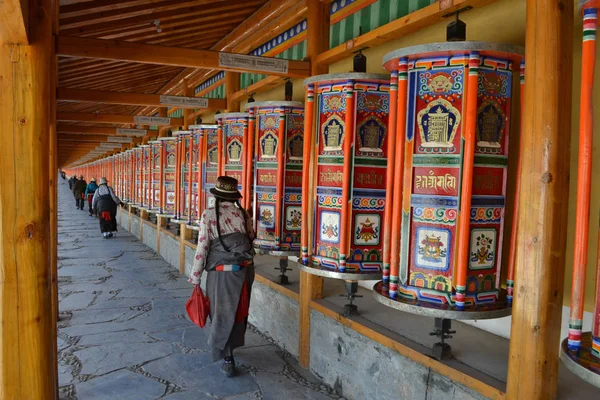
point(198, 24)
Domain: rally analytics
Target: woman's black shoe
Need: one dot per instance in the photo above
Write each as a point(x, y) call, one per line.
point(228, 369)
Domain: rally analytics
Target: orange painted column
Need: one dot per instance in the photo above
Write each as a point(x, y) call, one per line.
point(178, 189)
point(247, 201)
point(221, 147)
point(132, 177)
point(201, 158)
point(397, 166)
point(309, 114)
point(389, 195)
point(348, 147)
point(191, 177)
point(512, 255)
point(584, 177)
point(246, 166)
point(163, 192)
point(279, 191)
point(464, 217)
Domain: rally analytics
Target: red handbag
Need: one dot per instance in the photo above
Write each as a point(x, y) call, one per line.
point(198, 307)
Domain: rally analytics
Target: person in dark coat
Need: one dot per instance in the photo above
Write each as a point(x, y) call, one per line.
point(104, 204)
point(89, 193)
point(79, 192)
point(71, 182)
point(225, 252)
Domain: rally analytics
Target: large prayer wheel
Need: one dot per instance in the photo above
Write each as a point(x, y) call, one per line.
point(210, 163)
point(155, 173)
point(199, 133)
point(278, 127)
point(346, 129)
point(452, 107)
point(128, 177)
point(184, 142)
point(580, 351)
point(118, 184)
point(168, 167)
point(233, 136)
point(146, 176)
point(138, 162)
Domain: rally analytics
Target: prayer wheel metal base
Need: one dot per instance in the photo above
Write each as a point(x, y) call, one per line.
point(582, 363)
point(351, 283)
point(283, 268)
point(496, 309)
point(347, 276)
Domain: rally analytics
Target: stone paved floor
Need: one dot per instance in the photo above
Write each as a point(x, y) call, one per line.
point(123, 332)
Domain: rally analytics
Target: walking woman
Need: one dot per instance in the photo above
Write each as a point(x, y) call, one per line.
point(104, 204)
point(89, 193)
point(225, 252)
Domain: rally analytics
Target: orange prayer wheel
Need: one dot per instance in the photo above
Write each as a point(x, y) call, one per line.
point(277, 201)
point(233, 134)
point(447, 220)
point(346, 125)
point(168, 173)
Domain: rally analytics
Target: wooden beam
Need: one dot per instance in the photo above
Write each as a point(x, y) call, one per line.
point(14, 22)
point(232, 85)
point(270, 82)
point(410, 23)
point(27, 338)
point(105, 118)
point(264, 16)
point(545, 152)
point(199, 12)
point(93, 130)
point(162, 55)
point(136, 99)
point(82, 138)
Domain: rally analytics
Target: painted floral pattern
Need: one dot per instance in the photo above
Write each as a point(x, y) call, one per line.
point(232, 221)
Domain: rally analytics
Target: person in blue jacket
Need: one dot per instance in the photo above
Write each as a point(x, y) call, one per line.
point(89, 194)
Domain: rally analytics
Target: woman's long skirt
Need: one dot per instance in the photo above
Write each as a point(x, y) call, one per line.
point(229, 303)
point(107, 213)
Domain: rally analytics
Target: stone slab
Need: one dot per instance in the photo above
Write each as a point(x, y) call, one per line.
point(120, 385)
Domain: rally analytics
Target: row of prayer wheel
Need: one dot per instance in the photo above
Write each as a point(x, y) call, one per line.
point(404, 177)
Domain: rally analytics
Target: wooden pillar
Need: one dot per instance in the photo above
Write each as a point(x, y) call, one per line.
point(163, 112)
point(232, 85)
point(27, 331)
point(311, 286)
point(540, 255)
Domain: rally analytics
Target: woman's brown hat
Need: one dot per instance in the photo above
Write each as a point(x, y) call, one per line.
point(226, 188)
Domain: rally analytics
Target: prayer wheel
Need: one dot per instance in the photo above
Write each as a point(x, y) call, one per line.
point(138, 162)
point(278, 127)
point(197, 204)
point(146, 153)
point(451, 121)
point(232, 147)
point(155, 173)
point(580, 351)
point(210, 163)
point(346, 130)
point(184, 144)
point(168, 167)
point(118, 184)
point(128, 177)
